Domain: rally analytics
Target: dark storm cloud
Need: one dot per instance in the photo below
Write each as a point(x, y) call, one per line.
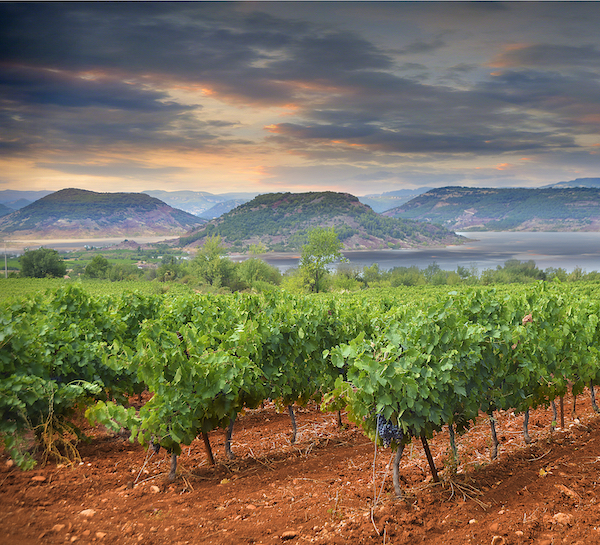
point(249, 55)
point(185, 39)
point(45, 87)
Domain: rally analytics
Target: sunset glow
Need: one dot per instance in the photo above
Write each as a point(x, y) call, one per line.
point(362, 97)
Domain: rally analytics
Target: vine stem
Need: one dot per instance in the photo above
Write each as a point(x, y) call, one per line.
point(432, 467)
point(145, 463)
point(209, 453)
point(228, 434)
point(454, 464)
point(294, 426)
point(173, 470)
point(495, 442)
point(526, 427)
point(396, 474)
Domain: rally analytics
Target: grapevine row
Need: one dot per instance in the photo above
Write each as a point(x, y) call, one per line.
point(414, 361)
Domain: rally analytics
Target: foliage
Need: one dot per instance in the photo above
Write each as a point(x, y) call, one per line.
point(98, 267)
point(210, 263)
point(42, 263)
point(421, 358)
point(323, 248)
point(254, 271)
point(52, 357)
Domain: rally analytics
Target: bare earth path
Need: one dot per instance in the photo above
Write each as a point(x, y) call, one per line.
point(324, 489)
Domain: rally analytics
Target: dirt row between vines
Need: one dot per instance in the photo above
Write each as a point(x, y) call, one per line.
point(329, 487)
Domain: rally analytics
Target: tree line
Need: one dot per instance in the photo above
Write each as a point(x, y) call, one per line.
point(211, 270)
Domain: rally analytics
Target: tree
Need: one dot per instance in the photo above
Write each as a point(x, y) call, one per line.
point(255, 270)
point(97, 267)
point(42, 263)
point(323, 248)
point(257, 249)
point(170, 269)
point(210, 263)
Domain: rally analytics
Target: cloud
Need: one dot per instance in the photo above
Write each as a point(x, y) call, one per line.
point(547, 56)
point(419, 141)
point(276, 84)
point(59, 88)
point(115, 170)
point(422, 47)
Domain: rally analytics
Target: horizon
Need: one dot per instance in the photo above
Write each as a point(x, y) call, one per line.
point(265, 97)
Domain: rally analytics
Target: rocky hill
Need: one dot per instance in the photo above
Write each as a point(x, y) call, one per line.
point(509, 209)
point(77, 213)
point(280, 221)
point(5, 210)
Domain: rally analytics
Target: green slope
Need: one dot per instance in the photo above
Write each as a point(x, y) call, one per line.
point(281, 221)
point(497, 209)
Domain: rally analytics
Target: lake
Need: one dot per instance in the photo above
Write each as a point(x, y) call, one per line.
point(484, 250)
point(70, 244)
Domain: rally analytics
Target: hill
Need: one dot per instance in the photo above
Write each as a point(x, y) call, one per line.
point(579, 182)
point(5, 210)
point(222, 208)
point(280, 221)
point(76, 213)
point(514, 209)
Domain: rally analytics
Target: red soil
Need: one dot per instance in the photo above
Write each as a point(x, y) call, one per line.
point(326, 488)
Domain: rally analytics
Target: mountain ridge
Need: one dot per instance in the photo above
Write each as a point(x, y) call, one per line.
point(76, 213)
point(457, 208)
point(280, 221)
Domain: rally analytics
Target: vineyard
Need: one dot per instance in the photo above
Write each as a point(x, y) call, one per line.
point(190, 380)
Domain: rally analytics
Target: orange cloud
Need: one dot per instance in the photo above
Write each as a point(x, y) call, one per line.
point(505, 59)
point(589, 118)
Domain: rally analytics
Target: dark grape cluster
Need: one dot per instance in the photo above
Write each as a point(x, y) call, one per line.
point(387, 431)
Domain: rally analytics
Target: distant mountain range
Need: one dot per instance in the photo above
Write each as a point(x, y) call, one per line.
point(243, 218)
point(558, 208)
point(13, 199)
point(210, 206)
point(579, 182)
point(201, 203)
point(280, 221)
point(76, 213)
point(392, 199)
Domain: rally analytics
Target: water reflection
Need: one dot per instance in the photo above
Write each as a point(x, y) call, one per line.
point(484, 250)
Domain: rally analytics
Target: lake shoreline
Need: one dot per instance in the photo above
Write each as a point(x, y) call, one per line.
point(482, 250)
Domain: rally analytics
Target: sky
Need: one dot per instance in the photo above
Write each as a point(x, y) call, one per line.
point(359, 97)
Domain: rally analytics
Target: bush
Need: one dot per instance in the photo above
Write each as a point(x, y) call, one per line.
point(42, 263)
